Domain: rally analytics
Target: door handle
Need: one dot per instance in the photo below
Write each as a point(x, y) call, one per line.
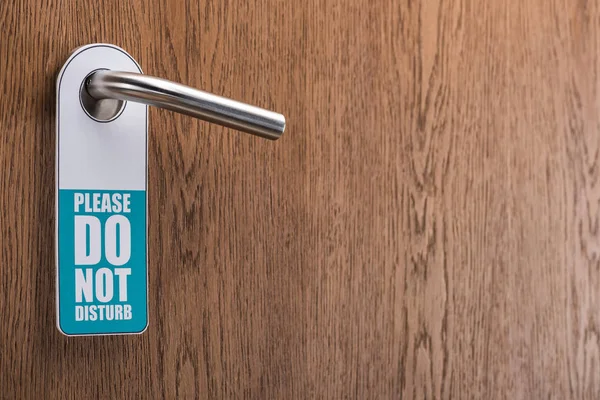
point(104, 93)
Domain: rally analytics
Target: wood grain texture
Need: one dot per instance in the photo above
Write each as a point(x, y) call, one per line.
point(427, 227)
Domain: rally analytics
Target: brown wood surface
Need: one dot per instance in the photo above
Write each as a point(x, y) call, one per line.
point(427, 227)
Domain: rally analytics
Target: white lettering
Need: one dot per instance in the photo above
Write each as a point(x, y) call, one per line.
point(110, 235)
point(127, 311)
point(82, 223)
point(126, 202)
point(122, 273)
point(104, 285)
point(106, 206)
point(78, 201)
point(79, 315)
point(83, 285)
point(116, 199)
point(103, 312)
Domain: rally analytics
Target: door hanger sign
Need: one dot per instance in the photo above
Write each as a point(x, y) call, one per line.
point(101, 203)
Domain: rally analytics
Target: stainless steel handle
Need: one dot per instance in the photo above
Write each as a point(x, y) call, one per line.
point(127, 86)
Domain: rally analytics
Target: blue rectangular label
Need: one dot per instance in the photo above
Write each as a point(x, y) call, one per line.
point(102, 270)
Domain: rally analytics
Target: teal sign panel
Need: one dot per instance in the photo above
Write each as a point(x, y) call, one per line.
point(102, 274)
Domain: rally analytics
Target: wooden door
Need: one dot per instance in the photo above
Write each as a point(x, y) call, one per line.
point(427, 227)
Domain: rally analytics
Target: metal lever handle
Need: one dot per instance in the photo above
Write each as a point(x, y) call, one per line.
point(105, 84)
